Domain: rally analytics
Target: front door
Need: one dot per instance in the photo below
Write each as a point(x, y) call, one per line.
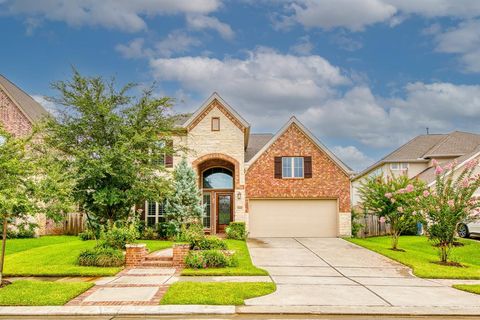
point(224, 210)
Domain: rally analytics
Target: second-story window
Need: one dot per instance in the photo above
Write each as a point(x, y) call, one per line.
point(399, 166)
point(215, 124)
point(292, 167)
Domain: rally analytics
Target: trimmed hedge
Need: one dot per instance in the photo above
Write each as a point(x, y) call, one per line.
point(200, 259)
point(236, 230)
point(101, 257)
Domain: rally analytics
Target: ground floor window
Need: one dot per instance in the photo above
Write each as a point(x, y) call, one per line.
point(207, 202)
point(155, 213)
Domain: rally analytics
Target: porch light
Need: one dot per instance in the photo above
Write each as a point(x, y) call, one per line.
point(239, 195)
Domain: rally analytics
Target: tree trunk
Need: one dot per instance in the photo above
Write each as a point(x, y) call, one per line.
point(394, 240)
point(443, 253)
point(4, 242)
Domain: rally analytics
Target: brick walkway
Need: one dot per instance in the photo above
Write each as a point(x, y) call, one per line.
point(143, 285)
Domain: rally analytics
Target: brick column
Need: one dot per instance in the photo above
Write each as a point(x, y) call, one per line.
point(135, 255)
point(180, 251)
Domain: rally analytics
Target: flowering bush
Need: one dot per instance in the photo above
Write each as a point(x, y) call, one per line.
point(392, 199)
point(448, 203)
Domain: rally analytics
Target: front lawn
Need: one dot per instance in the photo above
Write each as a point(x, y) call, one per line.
point(215, 293)
point(472, 288)
point(41, 293)
point(244, 268)
point(57, 256)
point(420, 254)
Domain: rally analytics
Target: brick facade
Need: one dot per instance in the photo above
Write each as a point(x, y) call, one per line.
point(12, 118)
point(328, 180)
point(135, 254)
point(180, 251)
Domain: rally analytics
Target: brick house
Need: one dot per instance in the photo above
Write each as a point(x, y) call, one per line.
point(284, 184)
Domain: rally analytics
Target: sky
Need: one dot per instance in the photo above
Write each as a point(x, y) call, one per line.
point(365, 76)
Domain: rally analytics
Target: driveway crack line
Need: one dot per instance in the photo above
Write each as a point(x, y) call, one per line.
point(334, 268)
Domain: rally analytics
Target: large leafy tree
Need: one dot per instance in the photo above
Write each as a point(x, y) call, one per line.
point(31, 182)
point(392, 199)
point(113, 142)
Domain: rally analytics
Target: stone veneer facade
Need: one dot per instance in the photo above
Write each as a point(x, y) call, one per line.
point(328, 180)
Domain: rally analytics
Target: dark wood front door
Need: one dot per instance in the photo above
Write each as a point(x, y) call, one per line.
point(224, 210)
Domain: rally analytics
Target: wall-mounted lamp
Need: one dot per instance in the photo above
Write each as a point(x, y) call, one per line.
point(239, 195)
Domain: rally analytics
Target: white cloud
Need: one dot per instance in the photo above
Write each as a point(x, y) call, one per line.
point(463, 40)
point(303, 46)
point(132, 50)
point(200, 22)
point(353, 157)
point(124, 15)
point(48, 105)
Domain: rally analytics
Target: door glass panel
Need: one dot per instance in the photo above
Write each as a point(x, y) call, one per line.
point(206, 212)
point(224, 209)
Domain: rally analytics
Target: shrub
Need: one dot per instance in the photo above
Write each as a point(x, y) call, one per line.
point(22, 228)
point(117, 237)
point(88, 234)
point(101, 257)
point(190, 232)
point(236, 230)
point(356, 225)
point(149, 233)
point(210, 259)
point(208, 243)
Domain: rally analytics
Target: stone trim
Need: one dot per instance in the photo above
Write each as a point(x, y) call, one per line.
point(216, 104)
point(219, 156)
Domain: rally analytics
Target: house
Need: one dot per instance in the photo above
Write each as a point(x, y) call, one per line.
point(282, 185)
point(415, 158)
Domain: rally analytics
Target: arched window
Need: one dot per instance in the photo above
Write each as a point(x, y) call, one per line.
point(217, 178)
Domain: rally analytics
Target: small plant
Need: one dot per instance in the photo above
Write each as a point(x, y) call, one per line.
point(88, 234)
point(23, 229)
point(101, 257)
point(210, 259)
point(236, 230)
point(149, 233)
point(118, 236)
point(208, 243)
point(190, 232)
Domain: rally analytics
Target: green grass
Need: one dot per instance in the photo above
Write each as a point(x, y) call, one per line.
point(244, 268)
point(215, 293)
point(57, 256)
point(472, 288)
point(41, 293)
point(420, 255)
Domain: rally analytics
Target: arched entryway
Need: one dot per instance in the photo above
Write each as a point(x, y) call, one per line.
point(218, 177)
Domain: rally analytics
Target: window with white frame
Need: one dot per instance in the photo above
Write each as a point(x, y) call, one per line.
point(292, 167)
point(399, 166)
point(154, 213)
point(207, 209)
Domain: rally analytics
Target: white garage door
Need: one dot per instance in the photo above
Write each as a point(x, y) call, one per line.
point(293, 218)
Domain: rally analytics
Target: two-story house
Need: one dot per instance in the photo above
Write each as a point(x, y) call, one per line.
point(415, 158)
point(284, 184)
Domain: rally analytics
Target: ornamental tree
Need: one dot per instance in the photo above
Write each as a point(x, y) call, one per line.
point(449, 202)
point(31, 182)
point(185, 205)
point(113, 143)
point(392, 199)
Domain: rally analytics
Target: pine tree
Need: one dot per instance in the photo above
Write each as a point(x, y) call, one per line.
point(185, 205)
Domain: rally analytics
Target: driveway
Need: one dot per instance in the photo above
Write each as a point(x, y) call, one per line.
point(335, 272)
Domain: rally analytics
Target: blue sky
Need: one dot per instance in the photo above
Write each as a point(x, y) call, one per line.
point(364, 76)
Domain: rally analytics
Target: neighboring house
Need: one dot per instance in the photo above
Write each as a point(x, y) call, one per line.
point(282, 185)
point(415, 157)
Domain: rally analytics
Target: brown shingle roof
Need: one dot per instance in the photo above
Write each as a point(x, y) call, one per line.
point(30, 107)
point(256, 142)
point(424, 147)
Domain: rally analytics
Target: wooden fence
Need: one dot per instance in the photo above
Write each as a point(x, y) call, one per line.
point(371, 226)
point(74, 223)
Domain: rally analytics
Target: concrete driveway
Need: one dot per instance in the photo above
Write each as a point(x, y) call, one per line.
point(335, 272)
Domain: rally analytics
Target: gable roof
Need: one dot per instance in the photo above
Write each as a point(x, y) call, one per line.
point(32, 109)
point(206, 104)
point(256, 142)
point(425, 147)
point(321, 146)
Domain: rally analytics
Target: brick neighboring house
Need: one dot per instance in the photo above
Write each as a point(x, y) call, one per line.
point(18, 113)
point(282, 185)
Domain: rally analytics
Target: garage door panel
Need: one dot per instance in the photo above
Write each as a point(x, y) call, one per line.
point(293, 218)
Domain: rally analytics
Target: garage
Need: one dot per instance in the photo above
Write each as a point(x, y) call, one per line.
point(292, 218)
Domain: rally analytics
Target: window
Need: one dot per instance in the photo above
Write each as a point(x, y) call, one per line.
point(164, 159)
point(206, 210)
point(155, 213)
point(399, 166)
point(217, 178)
point(215, 124)
point(292, 167)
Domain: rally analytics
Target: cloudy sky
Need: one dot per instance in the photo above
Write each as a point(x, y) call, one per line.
point(364, 75)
